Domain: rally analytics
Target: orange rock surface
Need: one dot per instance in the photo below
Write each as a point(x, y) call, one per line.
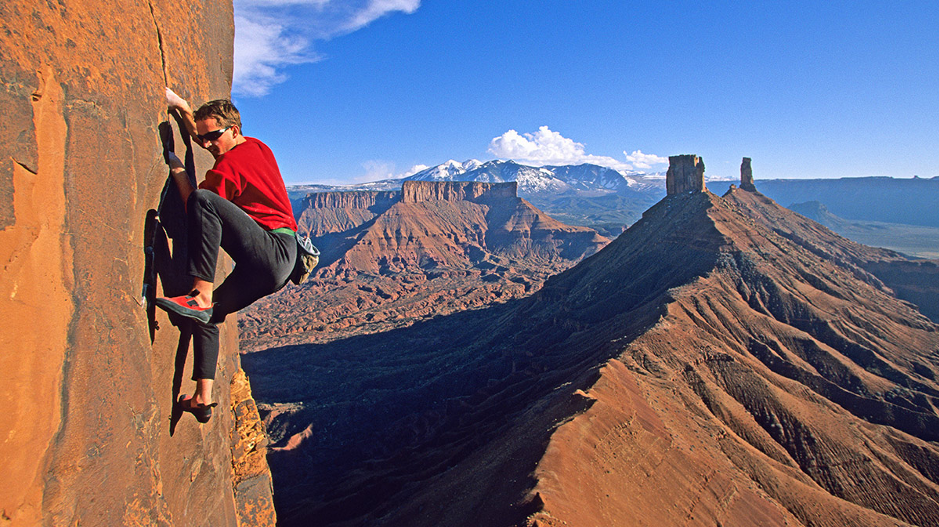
point(85, 436)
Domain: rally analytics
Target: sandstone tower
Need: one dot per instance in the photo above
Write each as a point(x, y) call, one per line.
point(685, 173)
point(746, 175)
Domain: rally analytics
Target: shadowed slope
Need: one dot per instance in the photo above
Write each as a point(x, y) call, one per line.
point(723, 361)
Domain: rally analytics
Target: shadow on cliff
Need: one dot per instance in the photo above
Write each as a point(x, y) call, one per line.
point(356, 422)
point(166, 256)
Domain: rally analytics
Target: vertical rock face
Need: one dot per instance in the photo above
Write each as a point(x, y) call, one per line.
point(87, 395)
point(685, 174)
point(746, 175)
point(355, 200)
point(418, 191)
point(326, 212)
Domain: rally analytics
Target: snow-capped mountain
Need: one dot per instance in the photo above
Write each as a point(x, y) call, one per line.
point(446, 171)
point(582, 180)
point(586, 194)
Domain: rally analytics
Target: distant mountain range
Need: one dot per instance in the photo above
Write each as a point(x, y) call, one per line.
point(581, 180)
point(588, 195)
point(608, 201)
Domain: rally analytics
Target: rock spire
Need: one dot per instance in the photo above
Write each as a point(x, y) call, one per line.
point(685, 174)
point(746, 176)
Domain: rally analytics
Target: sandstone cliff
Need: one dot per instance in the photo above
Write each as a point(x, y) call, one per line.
point(418, 191)
point(87, 397)
point(321, 213)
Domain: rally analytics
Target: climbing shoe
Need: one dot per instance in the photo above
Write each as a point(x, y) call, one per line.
point(186, 306)
point(202, 412)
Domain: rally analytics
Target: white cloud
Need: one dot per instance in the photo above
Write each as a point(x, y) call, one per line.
point(414, 170)
point(644, 161)
point(546, 147)
point(376, 170)
point(271, 35)
point(377, 9)
point(543, 147)
point(262, 49)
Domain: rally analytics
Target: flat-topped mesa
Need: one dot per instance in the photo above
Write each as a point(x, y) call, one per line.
point(685, 174)
point(746, 176)
point(419, 191)
point(350, 200)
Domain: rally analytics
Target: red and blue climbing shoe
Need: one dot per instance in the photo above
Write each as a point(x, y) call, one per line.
point(186, 306)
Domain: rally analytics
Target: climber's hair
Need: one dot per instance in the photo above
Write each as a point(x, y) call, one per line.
point(222, 110)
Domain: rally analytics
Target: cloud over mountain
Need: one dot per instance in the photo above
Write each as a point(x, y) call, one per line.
point(645, 161)
point(273, 34)
point(547, 147)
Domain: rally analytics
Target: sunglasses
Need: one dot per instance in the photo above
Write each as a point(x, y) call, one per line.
point(213, 135)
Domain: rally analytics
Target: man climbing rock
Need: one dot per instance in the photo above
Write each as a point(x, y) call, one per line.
point(242, 207)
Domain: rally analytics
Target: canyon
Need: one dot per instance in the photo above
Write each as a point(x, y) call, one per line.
point(389, 259)
point(460, 357)
point(723, 361)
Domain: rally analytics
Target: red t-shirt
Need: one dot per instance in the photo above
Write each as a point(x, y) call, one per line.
point(247, 175)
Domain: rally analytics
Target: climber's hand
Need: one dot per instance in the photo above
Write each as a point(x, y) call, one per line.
point(175, 101)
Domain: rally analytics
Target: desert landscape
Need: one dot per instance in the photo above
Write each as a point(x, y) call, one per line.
point(723, 361)
point(565, 329)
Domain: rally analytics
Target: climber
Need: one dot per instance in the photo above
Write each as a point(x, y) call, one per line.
point(242, 207)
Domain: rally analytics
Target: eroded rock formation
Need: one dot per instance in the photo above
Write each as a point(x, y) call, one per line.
point(418, 191)
point(87, 396)
point(322, 213)
point(685, 174)
point(390, 259)
point(746, 176)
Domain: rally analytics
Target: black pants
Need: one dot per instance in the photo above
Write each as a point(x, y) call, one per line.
point(263, 263)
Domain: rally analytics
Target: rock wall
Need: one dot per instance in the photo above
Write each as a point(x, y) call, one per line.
point(329, 212)
point(685, 174)
point(418, 191)
point(746, 175)
point(87, 395)
point(355, 200)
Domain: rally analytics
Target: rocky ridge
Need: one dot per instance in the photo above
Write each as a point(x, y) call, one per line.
point(724, 361)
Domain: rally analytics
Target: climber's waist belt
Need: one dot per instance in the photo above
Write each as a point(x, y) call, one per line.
point(284, 230)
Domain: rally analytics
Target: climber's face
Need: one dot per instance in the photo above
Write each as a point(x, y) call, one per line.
point(214, 138)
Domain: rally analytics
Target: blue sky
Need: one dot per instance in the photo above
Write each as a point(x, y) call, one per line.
point(346, 91)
